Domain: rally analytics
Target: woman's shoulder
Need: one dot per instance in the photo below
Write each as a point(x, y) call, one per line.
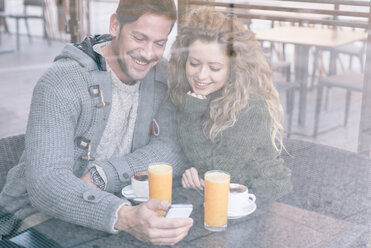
point(256, 110)
point(256, 102)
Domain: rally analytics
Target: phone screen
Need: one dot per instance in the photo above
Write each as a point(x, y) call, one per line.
point(179, 211)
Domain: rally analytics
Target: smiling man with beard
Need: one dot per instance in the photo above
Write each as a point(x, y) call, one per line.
point(99, 115)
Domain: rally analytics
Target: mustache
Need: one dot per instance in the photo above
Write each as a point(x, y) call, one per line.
point(141, 58)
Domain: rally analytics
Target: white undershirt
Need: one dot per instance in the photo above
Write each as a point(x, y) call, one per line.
point(118, 133)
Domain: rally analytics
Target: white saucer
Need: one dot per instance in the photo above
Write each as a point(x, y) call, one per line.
point(246, 211)
point(128, 193)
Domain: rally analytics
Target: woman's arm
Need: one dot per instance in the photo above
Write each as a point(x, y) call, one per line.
point(194, 143)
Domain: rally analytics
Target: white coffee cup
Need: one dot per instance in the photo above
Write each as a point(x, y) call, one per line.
point(239, 198)
point(139, 184)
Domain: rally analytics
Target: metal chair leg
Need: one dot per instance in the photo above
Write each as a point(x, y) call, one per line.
point(28, 30)
point(351, 62)
point(17, 33)
point(360, 57)
point(318, 109)
point(327, 97)
point(290, 96)
point(315, 63)
point(347, 106)
point(46, 36)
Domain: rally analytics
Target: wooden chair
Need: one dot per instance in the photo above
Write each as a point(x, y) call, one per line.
point(2, 18)
point(282, 80)
point(11, 149)
point(351, 50)
point(349, 81)
point(39, 4)
point(25, 15)
point(288, 88)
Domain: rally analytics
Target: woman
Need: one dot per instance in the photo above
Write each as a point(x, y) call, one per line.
point(229, 114)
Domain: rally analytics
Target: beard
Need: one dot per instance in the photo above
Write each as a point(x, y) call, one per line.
point(120, 62)
point(124, 58)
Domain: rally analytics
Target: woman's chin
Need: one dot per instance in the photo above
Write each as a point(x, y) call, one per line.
point(200, 92)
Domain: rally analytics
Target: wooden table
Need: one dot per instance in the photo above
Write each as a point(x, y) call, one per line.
point(284, 14)
point(279, 225)
point(331, 208)
point(303, 38)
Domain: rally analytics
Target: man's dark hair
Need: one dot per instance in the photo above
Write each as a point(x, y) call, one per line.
point(129, 11)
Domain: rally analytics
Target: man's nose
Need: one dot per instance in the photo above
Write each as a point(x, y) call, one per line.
point(148, 52)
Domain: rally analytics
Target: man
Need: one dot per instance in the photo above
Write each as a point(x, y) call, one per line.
point(93, 124)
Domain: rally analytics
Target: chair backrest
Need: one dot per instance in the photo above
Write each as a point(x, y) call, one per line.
point(325, 177)
point(326, 12)
point(34, 3)
point(11, 149)
point(2, 5)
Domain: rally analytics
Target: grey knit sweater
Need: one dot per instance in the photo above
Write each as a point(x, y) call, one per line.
point(64, 120)
point(244, 150)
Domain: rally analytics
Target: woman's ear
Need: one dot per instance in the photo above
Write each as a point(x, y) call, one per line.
point(114, 25)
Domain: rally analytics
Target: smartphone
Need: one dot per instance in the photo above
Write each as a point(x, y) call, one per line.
point(29, 238)
point(179, 211)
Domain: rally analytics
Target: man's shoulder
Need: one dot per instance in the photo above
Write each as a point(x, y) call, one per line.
point(83, 54)
point(67, 69)
point(160, 71)
point(72, 56)
point(73, 64)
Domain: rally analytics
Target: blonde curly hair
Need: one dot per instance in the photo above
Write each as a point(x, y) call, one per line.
point(249, 71)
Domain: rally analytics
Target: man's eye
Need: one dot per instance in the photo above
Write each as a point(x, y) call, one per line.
point(138, 38)
point(160, 44)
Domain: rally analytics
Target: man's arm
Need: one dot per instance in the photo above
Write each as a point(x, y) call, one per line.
point(52, 187)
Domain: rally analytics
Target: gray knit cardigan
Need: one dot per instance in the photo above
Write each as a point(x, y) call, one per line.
point(244, 150)
point(64, 120)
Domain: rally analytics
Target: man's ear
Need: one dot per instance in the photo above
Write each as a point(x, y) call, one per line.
point(114, 25)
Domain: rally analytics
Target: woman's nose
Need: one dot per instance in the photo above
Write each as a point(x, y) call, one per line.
point(203, 73)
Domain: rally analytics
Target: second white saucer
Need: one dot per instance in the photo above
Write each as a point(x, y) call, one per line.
point(128, 193)
point(246, 211)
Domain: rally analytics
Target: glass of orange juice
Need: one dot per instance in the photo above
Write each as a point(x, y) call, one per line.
point(160, 177)
point(216, 200)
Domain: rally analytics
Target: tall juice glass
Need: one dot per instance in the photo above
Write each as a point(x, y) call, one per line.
point(216, 200)
point(160, 177)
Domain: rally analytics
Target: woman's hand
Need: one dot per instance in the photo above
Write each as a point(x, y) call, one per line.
point(195, 95)
point(191, 179)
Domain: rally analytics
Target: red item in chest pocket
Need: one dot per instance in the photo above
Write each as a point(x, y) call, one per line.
point(155, 128)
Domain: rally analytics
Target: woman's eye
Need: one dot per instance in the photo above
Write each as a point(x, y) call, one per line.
point(193, 64)
point(215, 69)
